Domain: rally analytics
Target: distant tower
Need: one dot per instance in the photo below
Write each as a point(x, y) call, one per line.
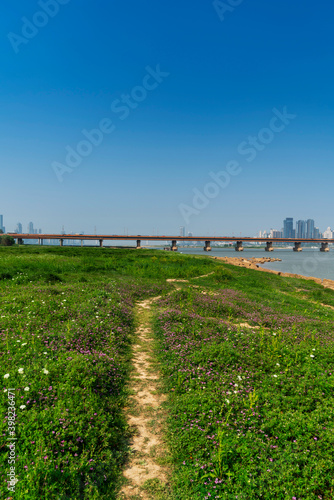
point(301, 229)
point(30, 228)
point(2, 227)
point(19, 228)
point(182, 231)
point(310, 228)
point(288, 228)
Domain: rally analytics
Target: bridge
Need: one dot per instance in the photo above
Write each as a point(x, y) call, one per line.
point(296, 242)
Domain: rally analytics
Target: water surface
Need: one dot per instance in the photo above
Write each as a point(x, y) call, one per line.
point(309, 262)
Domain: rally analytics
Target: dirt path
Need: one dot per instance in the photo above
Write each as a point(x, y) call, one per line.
point(144, 473)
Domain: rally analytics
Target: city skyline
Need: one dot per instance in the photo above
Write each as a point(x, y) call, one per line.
point(304, 229)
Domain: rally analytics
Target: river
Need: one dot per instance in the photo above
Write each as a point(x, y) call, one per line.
point(309, 262)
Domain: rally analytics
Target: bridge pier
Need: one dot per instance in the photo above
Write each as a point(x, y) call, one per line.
point(40, 241)
point(82, 243)
point(173, 247)
point(138, 244)
point(19, 241)
point(298, 246)
point(324, 247)
point(61, 241)
point(269, 246)
point(238, 246)
point(207, 247)
point(101, 243)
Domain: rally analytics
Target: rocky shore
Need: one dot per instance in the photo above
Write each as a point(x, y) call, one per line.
point(253, 263)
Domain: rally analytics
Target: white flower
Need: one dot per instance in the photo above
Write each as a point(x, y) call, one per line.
point(5, 390)
point(44, 352)
point(277, 364)
point(25, 343)
point(227, 401)
point(45, 371)
point(274, 333)
point(275, 376)
point(6, 376)
point(27, 388)
point(20, 370)
point(18, 341)
point(311, 356)
point(22, 407)
point(239, 377)
point(313, 349)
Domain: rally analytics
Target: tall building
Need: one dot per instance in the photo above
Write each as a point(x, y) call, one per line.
point(19, 228)
point(301, 229)
point(288, 231)
point(182, 231)
point(310, 228)
point(328, 233)
point(316, 233)
point(2, 227)
point(30, 228)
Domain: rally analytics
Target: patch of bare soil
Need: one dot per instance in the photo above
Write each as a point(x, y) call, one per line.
point(145, 415)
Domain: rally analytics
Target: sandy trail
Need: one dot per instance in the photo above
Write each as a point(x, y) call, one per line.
point(145, 415)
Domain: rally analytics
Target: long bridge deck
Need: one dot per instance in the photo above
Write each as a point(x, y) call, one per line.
point(297, 242)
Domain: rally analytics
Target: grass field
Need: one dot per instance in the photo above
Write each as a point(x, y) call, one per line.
point(66, 328)
point(246, 358)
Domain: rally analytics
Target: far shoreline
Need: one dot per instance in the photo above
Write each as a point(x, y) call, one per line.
point(253, 263)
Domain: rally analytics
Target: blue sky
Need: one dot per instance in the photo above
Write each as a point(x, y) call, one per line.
point(224, 71)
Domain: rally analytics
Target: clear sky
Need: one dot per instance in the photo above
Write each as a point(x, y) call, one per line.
point(239, 88)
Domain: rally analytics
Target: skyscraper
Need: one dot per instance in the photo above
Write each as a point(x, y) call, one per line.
point(182, 231)
point(310, 228)
point(19, 228)
point(30, 228)
point(1, 224)
point(301, 229)
point(288, 228)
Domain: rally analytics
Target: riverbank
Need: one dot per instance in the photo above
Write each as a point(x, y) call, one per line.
point(253, 263)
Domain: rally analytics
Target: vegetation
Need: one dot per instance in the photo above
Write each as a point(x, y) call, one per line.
point(6, 240)
point(66, 328)
point(246, 358)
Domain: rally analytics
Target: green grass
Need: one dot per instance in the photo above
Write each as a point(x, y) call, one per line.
point(250, 408)
point(66, 319)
